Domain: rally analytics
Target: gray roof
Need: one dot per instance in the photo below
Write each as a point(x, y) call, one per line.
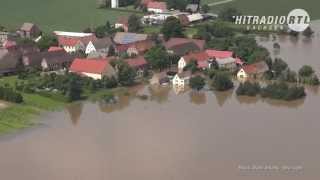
point(102, 43)
point(226, 60)
point(51, 57)
point(127, 38)
point(185, 48)
point(27, 26)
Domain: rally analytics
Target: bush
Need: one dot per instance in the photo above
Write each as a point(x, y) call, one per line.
point(197, 82)
point(222, 82)
point(10, 95)
point(283, 92)
point(306, 71)
point(248, 89)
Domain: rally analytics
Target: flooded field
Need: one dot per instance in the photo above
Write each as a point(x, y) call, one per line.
point(297, 51)
point(193, 135)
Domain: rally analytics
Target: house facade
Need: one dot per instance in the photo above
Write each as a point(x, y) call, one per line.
point(201, 58)
point(255, 70)
point(29, 30)
point(181, 79)
point(99, 46)
point(93, 68)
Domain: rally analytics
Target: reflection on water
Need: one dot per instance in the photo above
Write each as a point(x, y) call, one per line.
point(198, 97)
point(193, 135)
point(75, 111)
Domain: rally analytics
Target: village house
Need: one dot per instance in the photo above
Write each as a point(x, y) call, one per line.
point(138, 63)
point(9, 60)
point(74, 41)
point(139, 48)
point(99, 46)
point(93, 68)
point(157, 6)
point(255, 70)
point(181, 79)
point(201, 58)
point(122, 38)
point(29, 30)
point(122, 22)
point(6, 36)
point(182, 46)
point(48, 61)
point(159, 79)
point(223, 59)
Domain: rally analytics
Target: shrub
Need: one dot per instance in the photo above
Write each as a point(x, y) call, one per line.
point(248, 89)
point(222, 82)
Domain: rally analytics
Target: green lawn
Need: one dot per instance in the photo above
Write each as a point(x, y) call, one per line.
point(271, 7)
point(18, 116)
point(69, 15)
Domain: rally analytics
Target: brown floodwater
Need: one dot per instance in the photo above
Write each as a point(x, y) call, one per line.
point(175, 134)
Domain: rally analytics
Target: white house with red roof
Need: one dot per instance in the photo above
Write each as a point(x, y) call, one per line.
point(223, 59)
point(253, 70)
point(74, 41)
point(201, 58)
point(157, 6)
point(93, 68)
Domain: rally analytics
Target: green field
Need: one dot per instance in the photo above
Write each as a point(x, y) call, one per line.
point(19, 116)
point(76, 15)
point(71, 15)
point(271, 7)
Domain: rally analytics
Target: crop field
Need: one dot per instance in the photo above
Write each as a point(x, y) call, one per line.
point(76, 15)
point(269, 7)
point(72, 15)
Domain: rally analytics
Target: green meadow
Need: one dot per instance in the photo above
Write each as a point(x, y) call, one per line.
point(19, 116)
point(270, 7)
point(76, 15)
point(69, 15)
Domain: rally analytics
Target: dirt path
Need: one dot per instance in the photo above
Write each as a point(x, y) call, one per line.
point(220, 2)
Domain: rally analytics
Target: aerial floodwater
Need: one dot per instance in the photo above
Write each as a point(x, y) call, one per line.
point(175, 135)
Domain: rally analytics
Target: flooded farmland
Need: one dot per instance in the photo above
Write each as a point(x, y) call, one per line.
point(176, 135)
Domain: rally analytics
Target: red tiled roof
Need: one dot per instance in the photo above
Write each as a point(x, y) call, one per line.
point(239, 61)
point(145, 2)
point(172, 42)
point(256, 68)
point(142, 46)
point(95, 66)
point(73, 41)
point(122, 47)
point(199, 56)
point(137, 61)
point(219, 54)
point(157, 5)
point(54, 48)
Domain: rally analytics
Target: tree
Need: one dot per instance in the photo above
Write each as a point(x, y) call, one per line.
point(308, 32)
point(100, 31)
point(205, 8)
point(192, 65)
point(158, 57)
point(111, 51)
point(248, 89)
point(47, 41)
point(278, 66)
point(172, 28)
point(74, 89)
point(126, 74)
point(222, 82)
point(228, 13)
point(134, 24)
point(177, 4)
point(197, 82)
point(306, 71)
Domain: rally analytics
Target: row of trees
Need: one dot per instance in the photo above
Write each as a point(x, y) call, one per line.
point(279, 70)
point(280, 91)
point(8, 94)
